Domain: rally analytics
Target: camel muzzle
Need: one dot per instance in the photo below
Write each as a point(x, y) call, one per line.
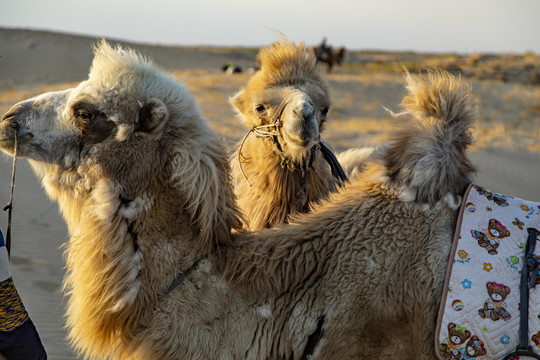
point(13, 125)
point(300, 124)
point(8, 132)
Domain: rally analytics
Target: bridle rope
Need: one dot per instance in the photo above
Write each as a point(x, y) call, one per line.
point(260, 131)
point(9, 206)
point(273, 130)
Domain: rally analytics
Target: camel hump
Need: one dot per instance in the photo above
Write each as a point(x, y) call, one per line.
point(440, 97)
point(427, 154)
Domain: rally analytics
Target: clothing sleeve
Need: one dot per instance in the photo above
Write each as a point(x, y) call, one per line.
point(12, 311)
point(4, 260)
point(19, 339)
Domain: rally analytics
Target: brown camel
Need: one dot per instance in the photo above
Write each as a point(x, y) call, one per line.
point(280, 168)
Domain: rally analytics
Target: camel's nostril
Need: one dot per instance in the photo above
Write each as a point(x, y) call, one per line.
point(308, 112)
point(16, 112)
point(10, 116)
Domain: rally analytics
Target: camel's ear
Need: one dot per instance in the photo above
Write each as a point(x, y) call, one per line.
point(153, 116)
point(239, 101)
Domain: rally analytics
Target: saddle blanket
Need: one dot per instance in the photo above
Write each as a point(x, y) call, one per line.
point(479, 316)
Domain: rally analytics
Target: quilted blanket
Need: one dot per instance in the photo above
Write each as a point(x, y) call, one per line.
point(479, 316)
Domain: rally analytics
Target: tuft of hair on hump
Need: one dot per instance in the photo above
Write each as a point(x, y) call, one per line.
point(283, 62)
point(427, 155)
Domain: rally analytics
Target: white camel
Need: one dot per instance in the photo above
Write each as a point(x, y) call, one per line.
point(154, 270)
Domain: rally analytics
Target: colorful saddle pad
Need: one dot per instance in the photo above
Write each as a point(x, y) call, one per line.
point(479, 315)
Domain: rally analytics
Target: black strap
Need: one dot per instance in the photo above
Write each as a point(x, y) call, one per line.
point(9, 209)
point(529, 274)
point(182, 276)
point(530, 258)
point(335, 166)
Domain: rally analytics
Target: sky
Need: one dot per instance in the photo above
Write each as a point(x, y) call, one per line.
point(461, 26)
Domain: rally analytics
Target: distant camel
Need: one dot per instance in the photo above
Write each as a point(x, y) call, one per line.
point(154, 270)
point(281, 169)
point(326, 54)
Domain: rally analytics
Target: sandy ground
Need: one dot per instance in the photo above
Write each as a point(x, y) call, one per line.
point(506, 150)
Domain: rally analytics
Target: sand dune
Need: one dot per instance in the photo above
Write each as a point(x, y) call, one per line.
point(507, 149)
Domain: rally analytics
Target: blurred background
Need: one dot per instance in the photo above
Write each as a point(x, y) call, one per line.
point(417, 25)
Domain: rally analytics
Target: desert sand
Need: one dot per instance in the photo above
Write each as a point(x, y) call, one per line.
point(506, 150)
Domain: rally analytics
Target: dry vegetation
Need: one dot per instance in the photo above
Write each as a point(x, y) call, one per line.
point(507, 87)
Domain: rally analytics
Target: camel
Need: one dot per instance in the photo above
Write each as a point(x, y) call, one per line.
point(154, 268)
point(281, 169)
point(326, 54)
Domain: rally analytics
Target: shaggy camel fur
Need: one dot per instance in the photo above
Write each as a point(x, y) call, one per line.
point(280, 170)
point(143, 184)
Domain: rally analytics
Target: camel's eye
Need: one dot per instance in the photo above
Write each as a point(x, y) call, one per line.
point(84, 115)
point(259, 108)
point(325, 110)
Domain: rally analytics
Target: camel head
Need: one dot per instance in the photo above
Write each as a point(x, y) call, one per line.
point(287, 100)
point(97, 124)
point(118, 136)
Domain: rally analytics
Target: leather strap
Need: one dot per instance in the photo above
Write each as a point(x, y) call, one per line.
point(529, 274)
point(182, 276)
point(335, 166)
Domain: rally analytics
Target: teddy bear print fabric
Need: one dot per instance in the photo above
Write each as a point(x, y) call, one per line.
point(479, 316)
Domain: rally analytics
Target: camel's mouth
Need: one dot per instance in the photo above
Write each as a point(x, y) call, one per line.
point(7, 132)
point(300, 134)
point(7, 146)
point(10, 133)
point(304, 143)
point(298, 150)
point(299, 143)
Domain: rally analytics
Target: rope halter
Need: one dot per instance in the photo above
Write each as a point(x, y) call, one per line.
point(273, 131)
